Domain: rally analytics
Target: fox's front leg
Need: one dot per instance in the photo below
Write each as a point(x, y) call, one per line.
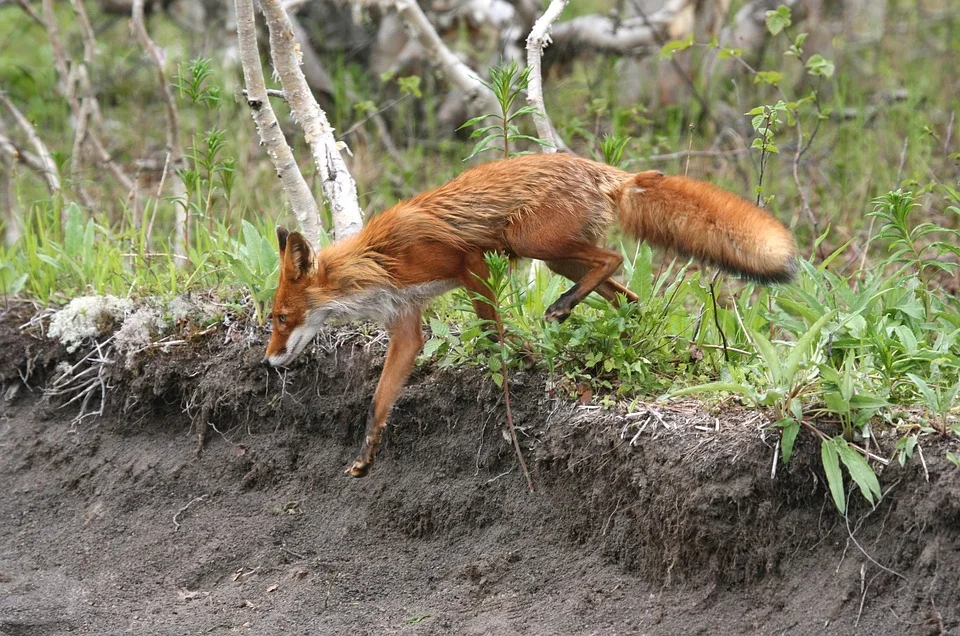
point(406, 340)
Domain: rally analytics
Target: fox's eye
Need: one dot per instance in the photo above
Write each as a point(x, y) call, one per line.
point(270, 316)
point(282, 318)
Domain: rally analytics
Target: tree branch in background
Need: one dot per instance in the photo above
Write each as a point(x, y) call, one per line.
point(539, 37)
point(59, 53)
point(8, 198)
point(633, 36)
point(47, 167)
point(747, 32)
point(480, 99)
point(316, 74)
point(70, 76)
point(339, 189)
point(27, 158)
point(301, 199)
point(174, 155)
point(29, 10)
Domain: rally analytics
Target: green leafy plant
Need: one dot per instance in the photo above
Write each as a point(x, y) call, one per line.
point(915, 245)
point(492, 350)
point(612, 147)
point(192, 83)
point(507, 81)
point(254, 262)
point(836, 450)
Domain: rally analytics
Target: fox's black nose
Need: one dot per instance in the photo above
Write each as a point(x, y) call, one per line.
point(265, 363)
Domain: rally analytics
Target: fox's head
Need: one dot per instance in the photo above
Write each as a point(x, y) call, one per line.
point(298, 305)
point(341, 282)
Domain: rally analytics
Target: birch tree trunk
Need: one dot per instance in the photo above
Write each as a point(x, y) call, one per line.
point(539, 37)
point(301, 199)
point(339, 189)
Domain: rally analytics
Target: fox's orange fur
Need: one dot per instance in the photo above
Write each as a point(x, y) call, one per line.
point(556, 208)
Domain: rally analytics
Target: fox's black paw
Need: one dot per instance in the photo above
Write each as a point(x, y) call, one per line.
point(556, 314)
point(359, 468)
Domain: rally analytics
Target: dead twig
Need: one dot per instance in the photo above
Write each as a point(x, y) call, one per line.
point(176, 523)
point(29, 10)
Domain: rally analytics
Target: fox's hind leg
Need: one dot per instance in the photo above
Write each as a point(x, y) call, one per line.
point(474, 280)
point(406, 339)
point(608, 289)
point(598, 265)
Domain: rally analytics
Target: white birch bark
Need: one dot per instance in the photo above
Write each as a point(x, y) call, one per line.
point(339, 189)
point(633, 36)
point(539, 37)
point(9, 155)
point(302, 201)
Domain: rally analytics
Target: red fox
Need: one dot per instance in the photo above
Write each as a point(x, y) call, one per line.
point(552, 207)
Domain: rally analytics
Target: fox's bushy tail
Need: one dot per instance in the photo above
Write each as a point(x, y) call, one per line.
point(701, 220)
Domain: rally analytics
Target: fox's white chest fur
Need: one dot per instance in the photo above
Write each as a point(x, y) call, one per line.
point(382, 305)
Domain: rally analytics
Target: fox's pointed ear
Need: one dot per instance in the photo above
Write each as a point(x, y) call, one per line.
point(297, 256)
point(282, 234)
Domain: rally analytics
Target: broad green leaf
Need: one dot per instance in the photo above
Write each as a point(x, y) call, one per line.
point(802, 309)
point(905, 446)
point(831, 466)
point(768, 77)
point(867, 401)
point(73, 231)
point(860, 471)
point(790, 429)
point(432, 345)
point(473, 122)
point(674, 46)
point(818, 65)
point(770, 357)
point(800, 348)
point(439, 328)
point(907, 338)
point(778, 20)
point(931, 399)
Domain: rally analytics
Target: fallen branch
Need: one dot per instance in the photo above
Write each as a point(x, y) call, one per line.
point(539, 37)
point(71, 76)
point(301, 199)
point(339, 189)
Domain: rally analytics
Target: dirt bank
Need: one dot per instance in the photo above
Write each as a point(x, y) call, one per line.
point(116, 524)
